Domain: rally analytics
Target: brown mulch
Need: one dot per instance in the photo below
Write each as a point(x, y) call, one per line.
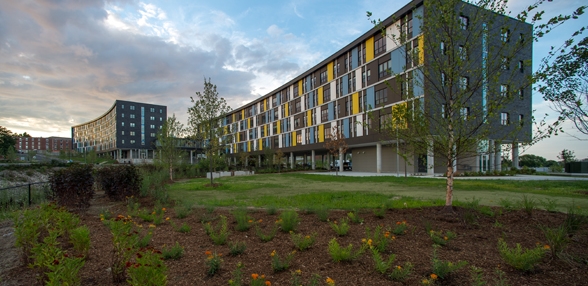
point(475, 243)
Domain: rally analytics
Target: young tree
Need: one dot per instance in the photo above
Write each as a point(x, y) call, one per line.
point(11, 155)
point(566, 156)
point(268, 154)
point(564, 82)
point(462, 80)
point(243, 158)
point(169, 138)
point(7, 139)
point(91, 157)
point(337, 146)
point(205, 122)
point(279, 155)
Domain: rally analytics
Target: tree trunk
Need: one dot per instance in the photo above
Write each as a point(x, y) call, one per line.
point(171, 172)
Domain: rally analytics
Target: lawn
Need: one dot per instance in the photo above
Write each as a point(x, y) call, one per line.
point(305, 191)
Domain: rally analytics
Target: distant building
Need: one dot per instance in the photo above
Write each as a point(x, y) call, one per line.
point(126, 132)
point(55, 144)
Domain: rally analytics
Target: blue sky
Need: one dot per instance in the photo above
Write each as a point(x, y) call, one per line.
point(64, 62)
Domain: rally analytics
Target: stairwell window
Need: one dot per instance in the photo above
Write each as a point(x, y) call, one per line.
point(504, 118)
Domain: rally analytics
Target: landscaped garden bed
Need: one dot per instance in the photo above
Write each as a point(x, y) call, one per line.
point(465, 235)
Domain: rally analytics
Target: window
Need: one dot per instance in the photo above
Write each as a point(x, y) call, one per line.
point(296, 122)
point(443, 111)
point(326, 95)
point(463, 54)
point(121, 124)
point(123, 106)
point(160, 110)
point(463, 22)
point(380, 46)
point(152, 109)
point(505, 35)
point(132, 124)
point(122, 115)
point(132, 107)
point(160, 119)
point(381, 96)
point(369, 74)
point(152, 117)
point(324, 115)
point(443, 50)
point(384, 69)
point(152, 135)
point(313, 82)
point(295, 91)
point(503, 90)
point(350, 84)
point(465, 113)
point(443, 79)
point(521, 66)
point(123, 141)
point(521, 38)
point(298, 109)
point(132, 116)
point(132, 133)
point(505, 65)
point(132, 141)
point(122, 132)
point(323, 77)
point(299, 138)
point(463, 82)
point(521, 93)
point(504, 118)
point(521, 121)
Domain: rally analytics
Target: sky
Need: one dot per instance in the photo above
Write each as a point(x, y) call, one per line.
point(65, 62)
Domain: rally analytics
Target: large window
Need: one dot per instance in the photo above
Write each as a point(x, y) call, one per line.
point(384, 69)
point(381, 96)
point(299, 138)
point(324, 115)
point(380, 46)
point(504, 90)
point(323, 77)
point(504, 118)
point(505, 35)
point(464, 22)
point(326, 95)
point(463, 82)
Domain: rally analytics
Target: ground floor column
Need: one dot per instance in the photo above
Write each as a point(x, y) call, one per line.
point(430, 159)
point(378, 158)
point(515, 155)
point(497, 156)
point(313, 163)
point(259, 161)
point(191, 157)
point(491, 156)
point(341, 156)
point(291, 160)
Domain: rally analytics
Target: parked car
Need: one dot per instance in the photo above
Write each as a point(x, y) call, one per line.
point(346, 166)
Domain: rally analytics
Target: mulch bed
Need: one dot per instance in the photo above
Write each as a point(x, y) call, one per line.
point(475, 243)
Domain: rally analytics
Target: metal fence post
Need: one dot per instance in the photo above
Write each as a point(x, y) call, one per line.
point(29, 194)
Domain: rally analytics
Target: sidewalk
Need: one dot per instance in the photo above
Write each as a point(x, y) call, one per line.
point(438, 176)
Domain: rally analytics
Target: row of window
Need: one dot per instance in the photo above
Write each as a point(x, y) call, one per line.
point(132, 107)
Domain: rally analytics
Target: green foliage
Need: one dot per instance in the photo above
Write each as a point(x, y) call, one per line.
point(302, 242)
point(219, 236)
point(557, 239)
point(175, 252)
point(119, 181)
point(182, 210)
point(244, 221)
point(549, 205)
point(213, 263)
point(399, 273)
point(7, 140)
point(380, 212)
point(574, 219)
point(322, 214)
point(400, 228)
point(279, 264)
point(439, 238)
point(528, 204)
point(237, 248)
point(519, 258)
point(271, 210)
point(148, 269)
point(266, 237)
point(377, 239)
point(342, 228)
point(444, 268)
point(237, 275)
point(169, 138)
point(344, 254)
point(80, 238)
point(477, 276)
point(354, 217)
point(288, 221)
point(506, 204)
point(184, 228)
point(382, 266)
point(73, 187)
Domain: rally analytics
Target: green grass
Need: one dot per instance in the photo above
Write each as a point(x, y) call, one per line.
point(305, 191)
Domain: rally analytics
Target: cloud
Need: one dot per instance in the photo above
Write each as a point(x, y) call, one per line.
point(274, 31)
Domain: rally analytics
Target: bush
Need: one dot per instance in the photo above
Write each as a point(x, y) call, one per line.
point(519, 258)
point(119, 182)
point(72, 187)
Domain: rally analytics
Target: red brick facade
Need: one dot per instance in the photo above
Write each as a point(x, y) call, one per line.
point(55, 144)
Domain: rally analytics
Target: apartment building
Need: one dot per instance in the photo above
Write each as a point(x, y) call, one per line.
point(53, 143)
point(355, 89)
point(126, 132)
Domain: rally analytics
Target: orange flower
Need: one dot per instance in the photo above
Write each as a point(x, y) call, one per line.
point(268, 283)
point(445, 237)
point(397, 223)
point(273, 253)
point(260, 220)
point(163, 209)
point(208, 253)
point(434, 276)
point(399, 267)
point(250, 221)
point(254, 276)
point(262, 276)
point(546, 246)
point(387, 234)
point(330, 281)
point(167, 218)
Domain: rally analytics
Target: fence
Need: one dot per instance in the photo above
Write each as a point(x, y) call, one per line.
point(24, 195)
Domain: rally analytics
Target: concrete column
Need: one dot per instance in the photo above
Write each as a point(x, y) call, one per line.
point(329, 161)
point(378, 158)
point(491, 155)
point(291, 160)
point(259, 161)
point(247, 162)
point(341, 159)
point(515, 155)
point(430, 159)
point(235, 161)
point(497, 156)
point(191, 157)
point(313, 165)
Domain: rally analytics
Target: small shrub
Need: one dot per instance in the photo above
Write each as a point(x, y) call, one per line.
point(557, 239)
point(182, 210)
point(302, 242)
point(322, 214)
point(185, 228)
point(266, 237)
point(244, 221)
point(345, 254)
point(145, 240)
point(213, 263)
point(528, 204)
point(256, 281)
point(288, 221)
point(477, 276)
point(73, 187)
point(400, 228)
point(271, 210)
point(519, 258)
point(549, 205)
point(148, 269)
point(237, 248)
point(382, 266)
point(342, 228)
point(354, 217)
point(279, 264)
point(441, 239)
point(80, 239)
point(574, 220)
point(380, 212)
point(378, 239)
point(399, 273)
point(296, 279)
point(442, 268)
point(507, 204)
point(175, 252)
point(119, 181)
point(237, 275)
point(219, 237)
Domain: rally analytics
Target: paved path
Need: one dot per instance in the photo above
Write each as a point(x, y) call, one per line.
point(517, 177)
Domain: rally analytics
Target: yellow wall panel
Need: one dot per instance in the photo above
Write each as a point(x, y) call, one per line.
point(248, 146)
point(321, 131)
point(369, 49)
point(330, 70)
point(320, 95)
point(299, 88)
point(242, 114)
point(238, 137)
point(248, 123)
point(259, 145)
point(265, 130)
point(278, 123)
point(399, 114)
point(286, 110)
point(309, 118)
point(234, 117)
point(293, 138)
point(421, 49)
point(355, 98)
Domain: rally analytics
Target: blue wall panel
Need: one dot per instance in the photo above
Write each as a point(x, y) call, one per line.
point(346, 127)
point(354, 53)
point(371, 100)
point(278, 99)
point(345, 84)
point(332, 110)
point(398, 60)
point(307, 83)
point(417, 19)
point(418, 80)
point(312, 135)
